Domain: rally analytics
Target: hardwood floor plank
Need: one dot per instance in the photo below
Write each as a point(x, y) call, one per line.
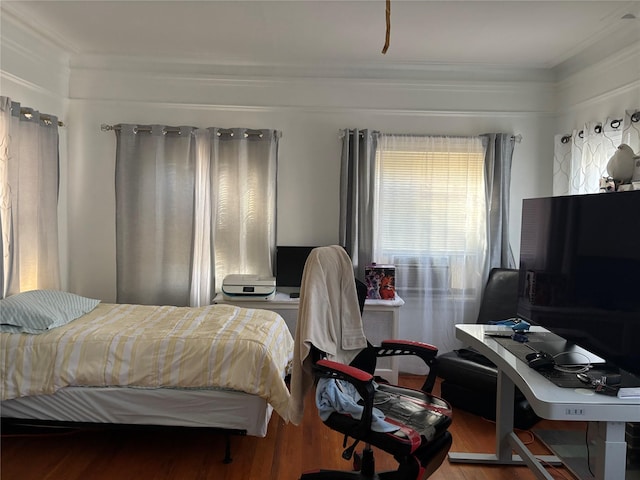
point(286, 451)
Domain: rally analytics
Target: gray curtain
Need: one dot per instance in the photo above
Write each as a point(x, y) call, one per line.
point(29, 182)
point(498, 159)
point(155, 176)
point(357, 181)
point(192, 205)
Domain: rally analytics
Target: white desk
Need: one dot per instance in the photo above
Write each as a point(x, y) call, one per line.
point(380, 320)
point(550, 402)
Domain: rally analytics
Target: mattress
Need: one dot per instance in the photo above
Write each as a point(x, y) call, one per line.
point(145, 352)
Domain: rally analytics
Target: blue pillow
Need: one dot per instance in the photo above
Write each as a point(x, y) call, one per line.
point(37, 311)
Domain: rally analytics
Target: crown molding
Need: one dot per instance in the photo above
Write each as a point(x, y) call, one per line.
point(396, 72)
point(259, 109)
point(629, 55)
point(13, 15)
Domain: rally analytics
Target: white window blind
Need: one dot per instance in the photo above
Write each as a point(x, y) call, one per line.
point(430, 195)
point(430, 222)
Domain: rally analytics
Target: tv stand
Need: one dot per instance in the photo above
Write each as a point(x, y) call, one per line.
point(609, 414)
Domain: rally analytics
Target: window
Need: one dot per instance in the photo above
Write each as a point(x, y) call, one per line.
point(430, 210)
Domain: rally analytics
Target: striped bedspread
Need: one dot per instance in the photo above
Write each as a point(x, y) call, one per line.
point(154, 346)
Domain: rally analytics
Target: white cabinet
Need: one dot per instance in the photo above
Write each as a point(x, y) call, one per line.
point(380, 321)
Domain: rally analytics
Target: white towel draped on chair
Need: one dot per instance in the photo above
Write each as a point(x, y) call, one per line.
point(328, 318)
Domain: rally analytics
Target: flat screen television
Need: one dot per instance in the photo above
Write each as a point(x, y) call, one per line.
point(579, 274)
point(290, 262)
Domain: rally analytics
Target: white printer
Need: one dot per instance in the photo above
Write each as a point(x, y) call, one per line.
point(248, 287)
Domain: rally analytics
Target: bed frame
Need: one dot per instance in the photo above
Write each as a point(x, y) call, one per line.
point(224, 411)
point(143, 365)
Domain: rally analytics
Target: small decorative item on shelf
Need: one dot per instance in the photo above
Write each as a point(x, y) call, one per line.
point(380, 281)
point(624, 171)
point(607, 184)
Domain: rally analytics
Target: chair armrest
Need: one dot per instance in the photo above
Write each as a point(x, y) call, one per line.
point(331, 369)
point(361, 380)
point(425, 351)
point(408, 347)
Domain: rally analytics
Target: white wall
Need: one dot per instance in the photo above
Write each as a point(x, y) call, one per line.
point(308, 105)
point(599, 91)
point(309, 111)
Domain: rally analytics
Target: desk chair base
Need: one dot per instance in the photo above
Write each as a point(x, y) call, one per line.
point(410, 468)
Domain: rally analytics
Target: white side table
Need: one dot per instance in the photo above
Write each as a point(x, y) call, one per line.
point(380, 321)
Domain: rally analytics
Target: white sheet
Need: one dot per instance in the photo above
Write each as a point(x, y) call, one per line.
point(216, 408)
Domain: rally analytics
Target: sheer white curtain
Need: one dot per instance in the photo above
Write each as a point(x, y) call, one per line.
point(192, 205)
point(431, 223)
point(581, 157)
point(243, 169)
point(29, 175)
point(202, 280)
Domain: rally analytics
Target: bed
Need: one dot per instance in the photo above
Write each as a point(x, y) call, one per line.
point(217, 366)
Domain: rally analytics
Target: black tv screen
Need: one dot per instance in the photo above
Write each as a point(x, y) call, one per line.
point(580, 272)
point(290, 262)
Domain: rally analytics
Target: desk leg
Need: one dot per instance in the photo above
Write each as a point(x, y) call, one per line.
point(504, 416)
point(506, 439)
point(610, 450)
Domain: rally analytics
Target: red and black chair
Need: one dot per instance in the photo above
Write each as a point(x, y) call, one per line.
point(422, 440)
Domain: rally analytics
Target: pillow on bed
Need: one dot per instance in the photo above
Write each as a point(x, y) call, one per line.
point(37, 311)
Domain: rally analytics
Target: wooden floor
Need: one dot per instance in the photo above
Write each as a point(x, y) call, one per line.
point(283, 454)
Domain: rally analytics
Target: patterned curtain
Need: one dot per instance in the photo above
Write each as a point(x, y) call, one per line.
point(581, 157)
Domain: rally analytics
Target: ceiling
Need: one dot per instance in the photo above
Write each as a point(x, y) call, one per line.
point(527, 34)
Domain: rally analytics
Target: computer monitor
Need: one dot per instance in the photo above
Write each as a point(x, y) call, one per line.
point(290, 262)
point(580, 272)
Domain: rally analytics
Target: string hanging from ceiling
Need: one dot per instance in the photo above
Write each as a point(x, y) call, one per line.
point(388, 32)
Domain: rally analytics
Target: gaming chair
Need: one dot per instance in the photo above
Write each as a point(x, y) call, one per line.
point(421, 441)
point(469, 379)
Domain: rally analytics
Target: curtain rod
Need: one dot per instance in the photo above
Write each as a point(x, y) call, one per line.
point(105, 128)
point(222, 131)
point(614, 123)
point(27, 112)
point(516, 138)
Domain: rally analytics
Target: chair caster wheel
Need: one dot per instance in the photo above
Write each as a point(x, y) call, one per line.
point(357, 462)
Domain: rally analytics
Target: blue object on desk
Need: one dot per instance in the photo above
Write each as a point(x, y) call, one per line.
point(521, 327)
point(520, 337)
point(516, 324)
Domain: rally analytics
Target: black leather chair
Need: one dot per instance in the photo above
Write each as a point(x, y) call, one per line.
point(469, 380)
point(422, 441)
